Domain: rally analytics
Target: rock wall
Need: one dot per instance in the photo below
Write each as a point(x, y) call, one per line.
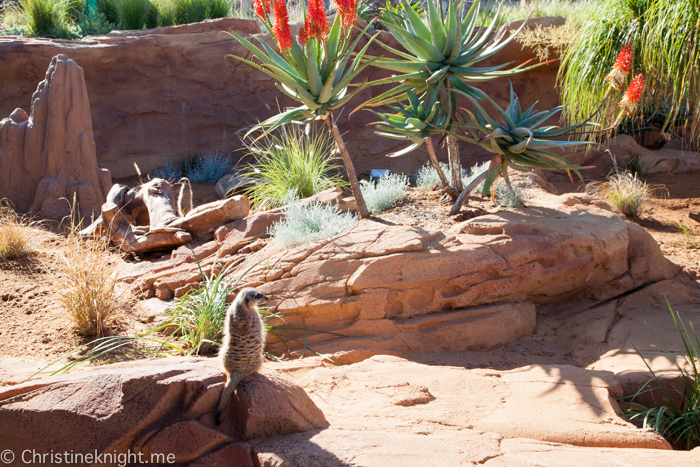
point(49, 156)
point(171, 93)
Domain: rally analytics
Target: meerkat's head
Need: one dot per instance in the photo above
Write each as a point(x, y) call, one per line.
point(251, 298)
point(184, 181)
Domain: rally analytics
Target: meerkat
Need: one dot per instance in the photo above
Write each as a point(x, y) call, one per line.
point(244, 338)
point(184, 199)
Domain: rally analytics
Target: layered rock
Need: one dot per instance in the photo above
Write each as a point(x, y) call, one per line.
point(48, 159)
point(163, 408)
point(398, 289)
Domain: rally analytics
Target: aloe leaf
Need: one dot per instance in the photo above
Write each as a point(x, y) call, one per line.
point(420, 29)
point(281, 62)
point(315, 82)
point(332, 45)
point(404, 151)
point(421, 48)
point(437, 30)
point(490, 178)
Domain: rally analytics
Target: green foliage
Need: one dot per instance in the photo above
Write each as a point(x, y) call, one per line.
point(317, 75)
point(206, 168)
point(442, 52)
point(315, 221)
point(678, 423)
point(93, 23)
point(192, 11)
point(519, 140)
point(48, 18)
point(666, 41)
point(198, 317)
point(382, 194)
point(134, 14)
point(292, 162)
point(427, 177)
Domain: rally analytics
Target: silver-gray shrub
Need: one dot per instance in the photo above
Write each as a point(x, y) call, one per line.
point(385, 192)
point(427, 177)
point(315, 221)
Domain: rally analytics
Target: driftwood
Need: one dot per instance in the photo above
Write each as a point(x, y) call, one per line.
point(144, 218)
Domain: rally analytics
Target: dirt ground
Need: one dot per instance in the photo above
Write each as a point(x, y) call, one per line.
point(35, 328)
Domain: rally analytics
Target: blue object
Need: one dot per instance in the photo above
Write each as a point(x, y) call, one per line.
point(378, 173)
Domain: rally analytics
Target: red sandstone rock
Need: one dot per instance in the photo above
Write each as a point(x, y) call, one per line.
point(48, 158)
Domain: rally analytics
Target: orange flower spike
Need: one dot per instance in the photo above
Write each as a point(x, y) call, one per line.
point(260, 8)
point(346, 10)
point(621, 68)
point(281, 29)
point(318, 23)
point(629, 101)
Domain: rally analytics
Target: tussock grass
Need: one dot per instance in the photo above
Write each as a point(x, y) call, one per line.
point(625, 192)
point(49, 18)
point(85, 278)
point(315, 221)
point(134, 14)
point(382, 194)
point(292, 162)
point(15, 233)
point(680, 424)
point(206, 168)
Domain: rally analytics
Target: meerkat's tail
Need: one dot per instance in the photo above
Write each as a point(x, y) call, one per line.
point(231, 383)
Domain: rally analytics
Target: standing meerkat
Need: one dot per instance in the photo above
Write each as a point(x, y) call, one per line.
point(244, 338)
point(184, 199)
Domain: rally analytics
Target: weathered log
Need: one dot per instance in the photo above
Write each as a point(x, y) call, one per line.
point(115, 196)
point(203, 221)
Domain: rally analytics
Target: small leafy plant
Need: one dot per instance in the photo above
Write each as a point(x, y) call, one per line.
point(690, 234)
point(428, 178)
point(315, 221)
point(382, 194)
point(292, 162)
point(680, 424)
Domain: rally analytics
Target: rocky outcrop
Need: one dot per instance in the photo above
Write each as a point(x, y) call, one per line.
point(47, 159)
point(180, 96)
point(398, 289)
point(152, 408)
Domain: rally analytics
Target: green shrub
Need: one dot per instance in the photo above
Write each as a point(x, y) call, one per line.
point(292, 162)
point(93, 23)
point(680, 424)
point(206, 168)
point(385, 192)
point(303, 224)
point(48, 18)
point(135, 14)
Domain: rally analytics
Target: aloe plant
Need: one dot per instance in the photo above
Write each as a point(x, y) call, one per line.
point(519, 142)
point(442, 51)
point(315, 68)
point(416, 121)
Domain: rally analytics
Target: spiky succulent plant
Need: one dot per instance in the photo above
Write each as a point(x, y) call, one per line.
point(441, 50)
point(520, 141)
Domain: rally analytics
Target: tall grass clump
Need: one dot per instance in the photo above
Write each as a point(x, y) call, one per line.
point(427, 177)
point(624, 191)
point(206, 168)
point(134, 14)
point(292, 162)
point(315, 221)
point(85, 277)
point(15, 233)
point(49, 18)
point(198, 317)
point(680, 424)
point(382, 194)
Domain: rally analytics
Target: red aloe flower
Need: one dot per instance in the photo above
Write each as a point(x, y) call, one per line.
point(304, 32)
point(318, 24)
point(281, 29)
point(346, 10)
point(262, 9)
point(621, 68)
point(631, 98)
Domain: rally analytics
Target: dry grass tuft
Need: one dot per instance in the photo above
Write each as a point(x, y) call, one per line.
point(541, 40)
point(86, 276)
point(625, 192)
point(15, 233)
